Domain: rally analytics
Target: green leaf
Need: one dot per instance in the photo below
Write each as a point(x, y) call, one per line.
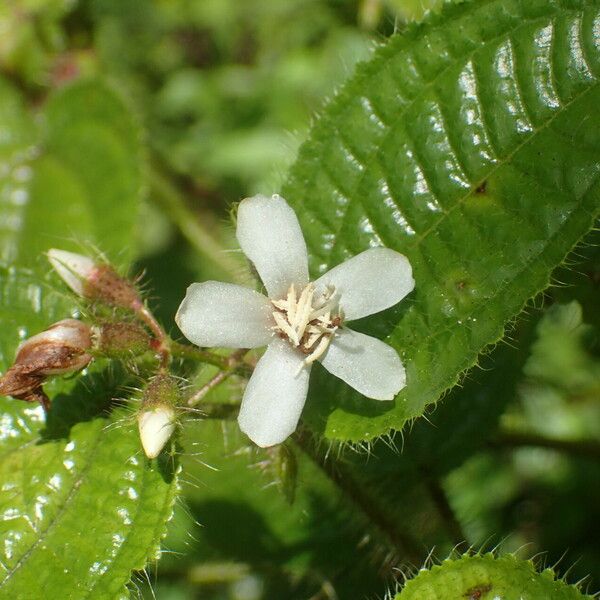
point(73, 182)
point(471, 144)
point(80, 505)
point(484, 577)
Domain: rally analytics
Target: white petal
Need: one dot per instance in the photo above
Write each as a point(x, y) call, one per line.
point(367, 364)
point(74, 269)
point(369, 282)
point(156, 427)
point(226, 315)
point(270, 236)
point(275, 395)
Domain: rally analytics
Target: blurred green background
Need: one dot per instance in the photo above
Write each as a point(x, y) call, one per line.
point(226, 90)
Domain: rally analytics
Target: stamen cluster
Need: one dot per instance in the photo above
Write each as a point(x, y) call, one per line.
point(308, 323)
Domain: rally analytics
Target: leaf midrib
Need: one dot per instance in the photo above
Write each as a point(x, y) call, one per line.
point(478, 309)
point(339, 108)
point(75, 487)
point(548, 240)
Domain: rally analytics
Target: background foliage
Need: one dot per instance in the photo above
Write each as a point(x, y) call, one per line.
point(130, 128)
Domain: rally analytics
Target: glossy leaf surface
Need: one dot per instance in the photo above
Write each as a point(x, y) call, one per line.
point(80, 506)
point(469, 144)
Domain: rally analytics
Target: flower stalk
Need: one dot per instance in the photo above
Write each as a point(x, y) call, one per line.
point(233, 361)
point(99, 282)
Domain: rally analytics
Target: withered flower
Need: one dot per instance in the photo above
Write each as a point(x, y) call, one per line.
point(62, 348)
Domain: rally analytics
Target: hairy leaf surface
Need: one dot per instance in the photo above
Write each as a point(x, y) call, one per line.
point(483, 577)
point(80, 506)
point(470, 143)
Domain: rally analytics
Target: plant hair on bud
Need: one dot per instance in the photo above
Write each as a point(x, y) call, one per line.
point(94, 281)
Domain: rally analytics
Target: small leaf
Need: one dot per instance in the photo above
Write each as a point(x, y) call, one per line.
point(484, 578)
point(470, 144)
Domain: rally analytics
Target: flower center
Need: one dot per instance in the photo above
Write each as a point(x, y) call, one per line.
point(308, 323)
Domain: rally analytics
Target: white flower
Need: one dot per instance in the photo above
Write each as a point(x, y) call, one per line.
point(156, 426)
point(300, 321)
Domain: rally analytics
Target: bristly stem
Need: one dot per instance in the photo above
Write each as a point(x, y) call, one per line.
point(160, 335)
point(218, 410)
point(211, 358)
point(402, 540)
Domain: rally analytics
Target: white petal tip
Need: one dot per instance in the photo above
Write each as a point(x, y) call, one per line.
point(262, 439)
point(74, 269)
point(156, 426)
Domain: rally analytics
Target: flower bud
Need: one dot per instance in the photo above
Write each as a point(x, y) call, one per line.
point(94, 281)
point(19, 384)
point(121, 340)
point(157, 417)
point(62, 348)
point(74, 269)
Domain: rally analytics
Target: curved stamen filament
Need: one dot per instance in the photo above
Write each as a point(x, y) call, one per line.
point(307, 322)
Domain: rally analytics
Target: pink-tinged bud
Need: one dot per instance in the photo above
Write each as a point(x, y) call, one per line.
point(74, 269)
point(157, 418)
point(94, 281)
point(62, 348)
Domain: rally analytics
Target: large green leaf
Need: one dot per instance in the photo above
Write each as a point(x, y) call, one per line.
point(484, 577)
point(74, 180)
point(80, 506)
point(471, 143)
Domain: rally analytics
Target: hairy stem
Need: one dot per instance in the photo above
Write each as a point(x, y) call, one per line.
point(444, 509)
point(211, 358)
point(163, 349)
point(198, 355)
point(400, 539)
point(219, 410)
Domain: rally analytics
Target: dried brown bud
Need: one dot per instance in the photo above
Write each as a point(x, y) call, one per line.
point(62, 348)
point(18, 383)
point(121, 340)
point(94, 281)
